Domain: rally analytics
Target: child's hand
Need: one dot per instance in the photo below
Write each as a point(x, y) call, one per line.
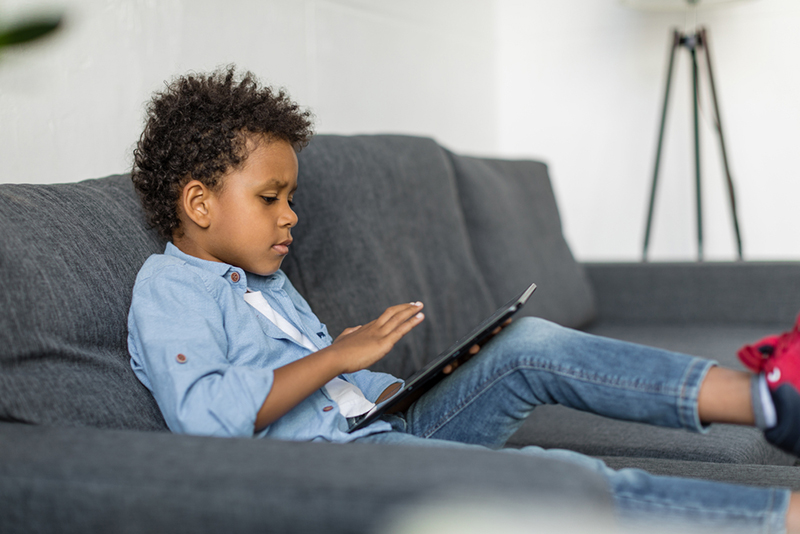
point(363, 345)
point(355, 349)
point(473, 350)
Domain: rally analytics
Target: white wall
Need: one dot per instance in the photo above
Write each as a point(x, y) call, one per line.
point(580, 84)
point(72, 108)
point(577, 83)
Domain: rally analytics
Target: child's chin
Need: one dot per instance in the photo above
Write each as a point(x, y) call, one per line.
point(266, 271)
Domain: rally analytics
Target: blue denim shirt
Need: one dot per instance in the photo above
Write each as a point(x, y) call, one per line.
point(208, 357)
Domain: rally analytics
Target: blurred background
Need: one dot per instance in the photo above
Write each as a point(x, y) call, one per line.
point(576, 83)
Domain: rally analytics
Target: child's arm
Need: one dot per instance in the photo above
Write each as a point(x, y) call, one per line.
point(388, 392)
point(355, 349)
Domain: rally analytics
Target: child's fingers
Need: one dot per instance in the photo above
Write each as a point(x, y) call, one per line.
point(500, 328)
point(404, 327)
point(402, 323)
point(398, 314)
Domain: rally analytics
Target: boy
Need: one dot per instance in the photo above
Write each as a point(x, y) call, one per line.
point(229, 348)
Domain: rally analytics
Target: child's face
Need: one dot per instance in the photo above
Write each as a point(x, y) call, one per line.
point(250, 216)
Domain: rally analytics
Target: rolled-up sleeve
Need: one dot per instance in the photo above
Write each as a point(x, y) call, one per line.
point(371, 383)
point(179, 348)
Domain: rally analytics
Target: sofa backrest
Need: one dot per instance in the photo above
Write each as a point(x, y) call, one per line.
point(383, 220)
point(69, 255)
point(513, 224)
point(380, 224)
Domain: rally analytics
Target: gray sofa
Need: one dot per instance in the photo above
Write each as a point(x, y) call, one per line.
point(383, 219)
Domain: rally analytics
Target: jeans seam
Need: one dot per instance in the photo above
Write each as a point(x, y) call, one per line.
point(535, 364)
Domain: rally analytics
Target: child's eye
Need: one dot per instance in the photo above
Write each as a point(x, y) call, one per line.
point(272, 200)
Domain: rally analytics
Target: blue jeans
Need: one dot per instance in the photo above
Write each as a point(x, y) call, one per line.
point(534, 362)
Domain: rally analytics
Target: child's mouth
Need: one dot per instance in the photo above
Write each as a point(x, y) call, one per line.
point(283, 247)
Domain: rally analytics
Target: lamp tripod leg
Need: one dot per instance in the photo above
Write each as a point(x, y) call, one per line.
point(698, 187)
point(676, 41)
point(731, 196)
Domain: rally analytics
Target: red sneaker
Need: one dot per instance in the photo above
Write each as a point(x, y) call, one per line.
point(778, 357)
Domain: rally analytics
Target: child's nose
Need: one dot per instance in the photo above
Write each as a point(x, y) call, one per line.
point(290, 217)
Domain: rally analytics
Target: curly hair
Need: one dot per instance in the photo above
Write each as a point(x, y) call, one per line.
point(197, 129)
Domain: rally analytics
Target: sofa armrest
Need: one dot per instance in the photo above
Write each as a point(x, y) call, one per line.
point(692, 293)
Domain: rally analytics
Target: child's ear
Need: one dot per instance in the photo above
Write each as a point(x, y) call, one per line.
point(195, 202)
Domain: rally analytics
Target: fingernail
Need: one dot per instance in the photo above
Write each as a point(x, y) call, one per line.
point(420, 315)
point(418, 303)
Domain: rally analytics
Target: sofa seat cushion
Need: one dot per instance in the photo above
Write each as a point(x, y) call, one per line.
point(68, 258)
point(557, 427)
point(560, 427)
point(93, 480)
point(380, 224)
point(516, 235)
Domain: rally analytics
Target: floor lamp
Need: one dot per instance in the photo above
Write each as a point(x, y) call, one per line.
point(695, 43)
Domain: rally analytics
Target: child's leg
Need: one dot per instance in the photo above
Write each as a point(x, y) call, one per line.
point(534, 362)
point(725, 397)
point(655, 500)
point(688, 504)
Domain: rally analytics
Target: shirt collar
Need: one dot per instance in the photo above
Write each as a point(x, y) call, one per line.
point(215, 267)
point(273, 281)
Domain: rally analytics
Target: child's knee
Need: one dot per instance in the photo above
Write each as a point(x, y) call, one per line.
point(528, 337)
point(536, 329)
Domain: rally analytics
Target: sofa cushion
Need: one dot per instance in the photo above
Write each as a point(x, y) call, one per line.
point(97, 481)
point(557, 427)
point(68, 258)
point(516, 236)
point(380, 224)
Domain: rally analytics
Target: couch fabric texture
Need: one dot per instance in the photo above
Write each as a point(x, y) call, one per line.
point(383, 219)
point(69, 254)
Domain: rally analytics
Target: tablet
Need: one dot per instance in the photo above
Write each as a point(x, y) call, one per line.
point(431, 374)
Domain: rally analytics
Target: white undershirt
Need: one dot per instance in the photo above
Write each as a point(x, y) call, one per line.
point(350, 399)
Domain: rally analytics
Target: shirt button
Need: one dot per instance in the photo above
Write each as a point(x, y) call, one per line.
point(234, 277)
point(181, 358)
point(327, 408)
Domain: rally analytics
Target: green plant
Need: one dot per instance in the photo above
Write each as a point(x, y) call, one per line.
point(29, 30)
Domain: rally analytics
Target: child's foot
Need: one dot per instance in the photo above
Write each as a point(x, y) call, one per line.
point(778, 357)
point(786, 433)
point(776, 389)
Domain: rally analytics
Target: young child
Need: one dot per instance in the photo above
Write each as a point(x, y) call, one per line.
point(228, 347)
